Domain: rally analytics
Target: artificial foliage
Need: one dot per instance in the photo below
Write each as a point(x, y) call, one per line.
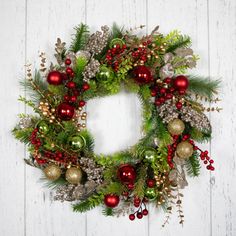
point(153, 171)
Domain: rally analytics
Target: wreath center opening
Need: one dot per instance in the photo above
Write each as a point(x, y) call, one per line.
point(114, 121)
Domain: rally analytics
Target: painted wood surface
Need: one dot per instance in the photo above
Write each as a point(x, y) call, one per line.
point(31, 26)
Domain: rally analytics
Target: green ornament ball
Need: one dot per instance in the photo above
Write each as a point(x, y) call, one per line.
point(116, 41)
point(150, 193)
point(149, 154)
point(43, 127)
point(77, 142)
point(105, 73)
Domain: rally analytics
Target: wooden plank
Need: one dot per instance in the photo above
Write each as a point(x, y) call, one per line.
point(222, 19)
point(130, 14)
point(12, 51)
point(190, 17)
point(48, 20)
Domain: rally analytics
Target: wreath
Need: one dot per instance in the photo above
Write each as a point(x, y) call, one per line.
point(154, 170)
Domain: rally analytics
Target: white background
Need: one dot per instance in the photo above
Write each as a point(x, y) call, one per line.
point(29, 26)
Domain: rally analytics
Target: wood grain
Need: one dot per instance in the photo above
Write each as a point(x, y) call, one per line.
point(30, 26)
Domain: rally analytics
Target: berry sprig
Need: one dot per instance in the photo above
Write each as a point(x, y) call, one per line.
point(142, 209)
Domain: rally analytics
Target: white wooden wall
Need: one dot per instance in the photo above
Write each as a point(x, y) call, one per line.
point(29, 26)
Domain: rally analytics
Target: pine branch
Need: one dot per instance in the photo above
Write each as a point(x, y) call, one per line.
point(108, 211)
point(203, 86)
point(182, 41)
point(23, 134)
point(162, 132)
point(139, 187)
point(193, 165)
point(80, 38)
point(199, 135)
point(89, 140)
point(89, 203)
point(53, 184)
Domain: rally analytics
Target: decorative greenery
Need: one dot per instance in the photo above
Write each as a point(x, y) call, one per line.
point(102, 64)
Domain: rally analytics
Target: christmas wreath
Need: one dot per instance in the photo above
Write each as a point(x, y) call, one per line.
point(153, 171)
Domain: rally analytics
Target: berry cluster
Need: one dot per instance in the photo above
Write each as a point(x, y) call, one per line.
point(113, 56)
point(206, 159)
point(140, 55)
point(140, 204)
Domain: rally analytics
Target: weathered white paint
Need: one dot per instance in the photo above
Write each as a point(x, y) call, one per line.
point(30, 26)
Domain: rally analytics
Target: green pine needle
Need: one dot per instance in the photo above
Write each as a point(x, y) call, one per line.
point(182, 41)
point(53, 184)
point(139, 188)
point(89, 203)
point(80, 38)
point(108, 211)
point(23, 134)
point(193, 165)
point(199, 135)
point(203, 86)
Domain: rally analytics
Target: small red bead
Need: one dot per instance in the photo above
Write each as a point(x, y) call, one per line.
point(157, 102)
point(125, 194)
point(169, 96)
point(68, 61)
point(151, 183)
point(81, 103)
point(130, 186)
point(153, 93)
point(145, 212)
point(179, 105)
point(139, 215)
point(71, 85)
point(86, 86)
point(66, 97)
point(132, 217)
point(162, 90)
point(73, 99)
point(181, 92)
point(69, 70)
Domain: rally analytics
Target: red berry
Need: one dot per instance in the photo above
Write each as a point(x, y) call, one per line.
point(157, 102)
point(69, 70)
point(162, 90)
point(167, 80)
point(179, 105)
point(68, 61)
point(136, 204)
point(125, 194)
point(153, 93)
point(71, 85)
point(181, 92)
point(130, 186)
point(151, 183)
point(145, 212)
point(205, 162)
point(137, 201)
point(139, 215)
point(162, 100)
point(86, 86)
point(212, 168)
point(76, 92)
point(73, 99)
point(211, 161)
point(169, 96)
point(132, 217)
point(81, 103)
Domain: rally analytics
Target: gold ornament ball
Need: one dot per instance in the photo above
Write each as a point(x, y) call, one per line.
point(184, 150)
point(176, 127)
point(52, 172)
point(73, 175)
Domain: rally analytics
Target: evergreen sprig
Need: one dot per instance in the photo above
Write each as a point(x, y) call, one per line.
point(23, 134)
point(182, 41)
point(107, 211)
point(203, 86)
point(80, 37)
point(139, 187)
point(193, 165)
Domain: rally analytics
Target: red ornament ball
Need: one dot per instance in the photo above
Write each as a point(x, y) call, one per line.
point(111, 200)
point(126, 174)
point(71, 85)
point(81, 103)
point(54, 78)
point(151, 183)
point(69, 71)
point(142, 75)
point(86, 86)
point(68, 61)
point(65, 111)
point(181, 83)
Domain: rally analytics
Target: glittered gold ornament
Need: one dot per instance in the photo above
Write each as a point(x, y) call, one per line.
point(77, 142)
point(73, 175)
point(43, 127)
point(176, 126)
point(184, 150)
point(150, 193)
point(52, 172)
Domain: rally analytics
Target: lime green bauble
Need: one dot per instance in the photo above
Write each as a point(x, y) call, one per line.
point(105, 73)
point(116, 41)
point(149, 154)
point(150, 193)
point(43, 127)
point(77, 142)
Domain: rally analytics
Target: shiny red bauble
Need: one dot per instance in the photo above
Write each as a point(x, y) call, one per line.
point(181, 83)
point(54, 78)
point(68, 61)
point(71, 85)
point(65, 111)
point(142, 75)
point(126, 174)
point(111, 200)
point(151, 183)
